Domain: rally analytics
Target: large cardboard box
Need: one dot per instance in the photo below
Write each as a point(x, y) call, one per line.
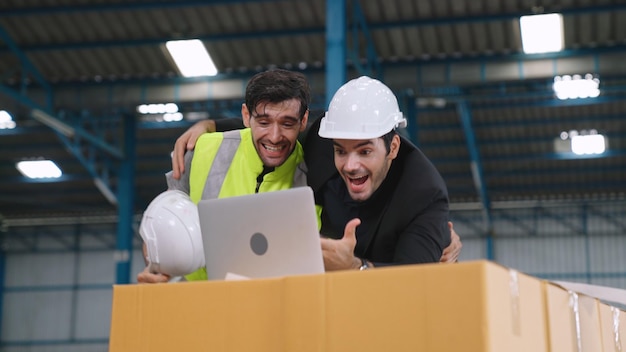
point(612, 319)
point(573, 320)
point(474, 306)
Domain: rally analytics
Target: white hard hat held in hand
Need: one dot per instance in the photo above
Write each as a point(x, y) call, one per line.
point(170, 228)
point(363, 108)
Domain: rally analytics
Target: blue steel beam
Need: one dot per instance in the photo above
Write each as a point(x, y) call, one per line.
point(53, 205)
point(359, 26)
point(126, 196)
point(557, 186)
point(465, 116)
point(557, 120)
point(79, 343)
point(548, 102)
point(124, 6)
point(522, 158)
point(95, 141)
point(2, 283)
point(497, 17)
point(515, 220)
point(613, 218)
point(488, 92)
point(27, 65)
point(513, 88)
point(74, 148)
point(162, 40)
point(335, 46)
point(24, 100)
point(43, 115)
point(154, 5)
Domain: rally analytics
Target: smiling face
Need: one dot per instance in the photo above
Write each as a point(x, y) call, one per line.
point(364, 163)
point(275, 128)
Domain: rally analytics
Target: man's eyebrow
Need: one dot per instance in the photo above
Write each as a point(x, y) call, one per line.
point(292, 118)
point(362, 144)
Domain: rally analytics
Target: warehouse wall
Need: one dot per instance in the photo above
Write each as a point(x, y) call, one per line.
point(568, 241)
point(57, 292)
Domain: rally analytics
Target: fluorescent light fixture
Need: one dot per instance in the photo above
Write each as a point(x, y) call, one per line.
point(589, 144)
point(574, 87)
point(585, 142)
point(39, 169)
point(169, 108)
point(542, 33)
point(6, 120)
point(177, 116)
point(191, 57)
point(160, 112)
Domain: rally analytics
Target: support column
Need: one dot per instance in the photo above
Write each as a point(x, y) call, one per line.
point(2, 275)
point(126, 197)
point(335, 47)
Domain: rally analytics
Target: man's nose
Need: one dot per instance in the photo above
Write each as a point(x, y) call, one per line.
point(352, 162)
point(274, 134)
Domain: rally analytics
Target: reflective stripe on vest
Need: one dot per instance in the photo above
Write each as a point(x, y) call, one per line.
point(221, 164)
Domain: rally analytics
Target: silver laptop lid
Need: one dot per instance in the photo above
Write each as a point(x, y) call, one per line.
point(261, 235)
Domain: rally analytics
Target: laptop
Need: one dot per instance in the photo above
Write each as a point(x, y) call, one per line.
point(261, 235)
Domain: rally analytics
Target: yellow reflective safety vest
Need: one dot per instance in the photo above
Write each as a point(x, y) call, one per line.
point(227, 164)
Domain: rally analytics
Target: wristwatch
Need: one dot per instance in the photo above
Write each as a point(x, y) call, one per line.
point(364, 264)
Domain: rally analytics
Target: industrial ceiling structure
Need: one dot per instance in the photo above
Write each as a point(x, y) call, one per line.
point(72, 73)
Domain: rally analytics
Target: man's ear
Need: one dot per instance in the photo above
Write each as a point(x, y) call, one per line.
point(394, 147)
point(305, 120)
point(245, 115)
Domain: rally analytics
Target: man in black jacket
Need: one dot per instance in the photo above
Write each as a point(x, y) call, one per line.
point(380, 178)
point(383, 202)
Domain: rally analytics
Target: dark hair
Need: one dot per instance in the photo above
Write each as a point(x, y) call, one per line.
point(387, 138)
point(275, 86)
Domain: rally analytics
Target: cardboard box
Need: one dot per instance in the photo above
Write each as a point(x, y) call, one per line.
point(473, 306)
point(611, 318)
point(610, 322)
point(573, 320)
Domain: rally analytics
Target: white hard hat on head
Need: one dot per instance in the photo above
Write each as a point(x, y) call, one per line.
point(170, 228)
point(363, 108)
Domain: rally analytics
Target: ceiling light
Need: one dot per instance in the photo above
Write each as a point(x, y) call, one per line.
point(191, 57)
point(39, 169)
point(169, 117)
point(574, 87)
point(584, 142)
point(542, 33)
point(168, 108)
point(589, 144)
point(6, 121)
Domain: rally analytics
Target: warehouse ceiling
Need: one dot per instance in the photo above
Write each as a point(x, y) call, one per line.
point(481, 109)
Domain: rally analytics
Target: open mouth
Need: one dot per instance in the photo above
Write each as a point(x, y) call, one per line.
point(359, 180)
point(274, 149)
